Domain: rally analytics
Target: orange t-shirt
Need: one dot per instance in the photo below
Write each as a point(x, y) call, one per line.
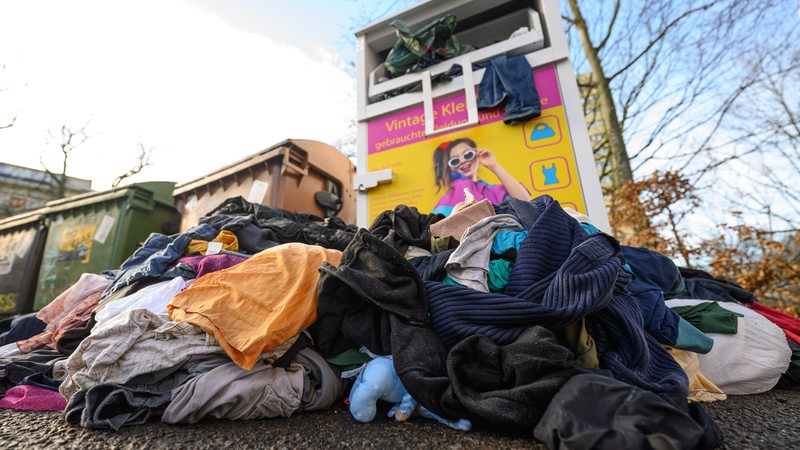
point(258, 304)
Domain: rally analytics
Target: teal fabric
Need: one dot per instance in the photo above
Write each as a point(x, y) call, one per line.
point(499, 269)
point(448, 280)
point(692, 339)
point(506, 240)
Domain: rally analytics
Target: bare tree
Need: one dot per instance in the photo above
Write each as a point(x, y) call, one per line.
point(143, 160)
point(766, 124)
point(666, 73)
point(69, 140)
point(706, 89)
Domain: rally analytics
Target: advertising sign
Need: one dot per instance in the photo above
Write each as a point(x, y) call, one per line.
point(538, 153)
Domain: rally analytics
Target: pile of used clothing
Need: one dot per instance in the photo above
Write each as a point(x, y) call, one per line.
point(520, 316)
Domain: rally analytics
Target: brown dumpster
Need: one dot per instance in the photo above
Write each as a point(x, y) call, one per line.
point(297, 175)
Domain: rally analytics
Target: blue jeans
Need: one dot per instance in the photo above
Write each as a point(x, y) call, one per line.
point(157, 252)
point(510, 79)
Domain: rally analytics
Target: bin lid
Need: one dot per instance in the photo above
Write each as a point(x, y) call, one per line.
point(20, 220)
point(159, 191)
point(317, 153)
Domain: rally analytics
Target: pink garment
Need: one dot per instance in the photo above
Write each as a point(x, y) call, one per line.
point(495, 193)
point(33, 398)
point(72, 307)
point(86, 285)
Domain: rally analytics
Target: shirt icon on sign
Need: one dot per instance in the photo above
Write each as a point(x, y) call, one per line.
point(550, 174)
point(542, 131)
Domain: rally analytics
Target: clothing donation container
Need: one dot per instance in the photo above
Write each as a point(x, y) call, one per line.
point(297, 175)
point(22, 240)
point(405, 117)
point(94, 232)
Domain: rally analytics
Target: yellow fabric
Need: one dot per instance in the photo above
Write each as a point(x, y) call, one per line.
point(576, 338)
point(199, 247)
point(701, 389)
point(258, 304)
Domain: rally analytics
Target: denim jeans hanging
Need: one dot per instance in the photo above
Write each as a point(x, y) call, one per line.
point(510, 80)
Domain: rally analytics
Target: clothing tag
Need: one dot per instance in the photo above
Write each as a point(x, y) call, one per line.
point(352, 373)
point(214, 248)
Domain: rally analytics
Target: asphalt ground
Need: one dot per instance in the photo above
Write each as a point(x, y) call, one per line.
point(758, 421)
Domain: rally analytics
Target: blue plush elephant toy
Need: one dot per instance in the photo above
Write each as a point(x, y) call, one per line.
point(379, 381)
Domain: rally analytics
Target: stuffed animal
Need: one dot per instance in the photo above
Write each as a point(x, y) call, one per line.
point(379, 381)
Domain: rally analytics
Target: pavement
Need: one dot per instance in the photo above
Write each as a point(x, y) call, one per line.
point(758, 421)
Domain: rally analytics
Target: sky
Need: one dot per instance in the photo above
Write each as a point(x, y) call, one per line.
point(199, 83)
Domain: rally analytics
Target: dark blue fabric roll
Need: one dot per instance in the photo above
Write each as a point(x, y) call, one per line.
point(656, 278)
point(561, 275)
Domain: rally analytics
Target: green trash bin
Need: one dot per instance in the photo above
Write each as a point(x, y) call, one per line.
point(94, 232)
point(22, 240)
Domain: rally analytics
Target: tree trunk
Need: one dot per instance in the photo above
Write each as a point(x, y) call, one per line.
point(621, 165)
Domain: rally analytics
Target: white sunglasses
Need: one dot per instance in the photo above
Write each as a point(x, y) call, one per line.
point(468, 155)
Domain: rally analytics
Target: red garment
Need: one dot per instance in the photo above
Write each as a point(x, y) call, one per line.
point(789, 324)
point(794, 337)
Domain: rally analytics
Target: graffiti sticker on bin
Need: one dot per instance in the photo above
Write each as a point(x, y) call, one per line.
point(549, 174)
point(76, 244)
point(542, 131)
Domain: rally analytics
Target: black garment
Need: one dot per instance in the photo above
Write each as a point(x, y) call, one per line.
point(18, 328)
point(250, 237)
point(626, 417)
point(701, 285)
point(43, 381)
point(113, 406)
point(404, 226)
point(791, 378)
point(350, 299)
point(376, 298)
point(16, 368)
point(509, 385)
point(432, 267)
point(258, 227)
point(300, 343)
point(70, 339)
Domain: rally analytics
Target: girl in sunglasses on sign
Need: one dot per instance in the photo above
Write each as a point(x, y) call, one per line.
point(455, 166)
